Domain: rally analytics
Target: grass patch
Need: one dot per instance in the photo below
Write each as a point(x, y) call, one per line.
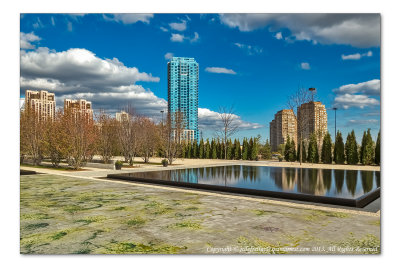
point(139, 248)
point(180, 215)
point(192, 208)
point(375, 222)
point(73, 208)
point(120, 208)
point(193, 201)
point(137, 221)
point(93, 236)
point(92, 219)
point(82, 251)
point(88, 196)
point(369, 244)
point(187, 225)
point(43, 203)
point(58, 235)
point(317, 215)
point(264, 247)
point(34, 216)
point(157, 208)
point(41, 239)
point(337, 214)
point(35, 226)
point(262, 212)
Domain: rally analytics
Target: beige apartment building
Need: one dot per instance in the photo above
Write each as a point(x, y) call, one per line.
point(122, 116)
point(80, 106)
point(312, 118)
point(284, 124)
point(42, 102)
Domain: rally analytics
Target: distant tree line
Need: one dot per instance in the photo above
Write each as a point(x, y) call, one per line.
point(351, 152)
point(249, 149)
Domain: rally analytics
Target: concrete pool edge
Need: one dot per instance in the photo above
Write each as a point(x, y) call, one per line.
point(357, 203)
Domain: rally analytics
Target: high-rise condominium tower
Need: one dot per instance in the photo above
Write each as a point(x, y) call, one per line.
point(122, 116)
point(183, 93)
point(79, 107)
point(284, 124)
point(312, 118)
point(42, 102)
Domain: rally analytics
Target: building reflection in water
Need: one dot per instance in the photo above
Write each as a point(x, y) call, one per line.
point(300, 180)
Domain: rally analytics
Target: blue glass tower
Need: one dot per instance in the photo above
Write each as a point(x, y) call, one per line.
point(183, 91)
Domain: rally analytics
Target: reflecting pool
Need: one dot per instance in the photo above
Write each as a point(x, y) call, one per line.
point(319, 182)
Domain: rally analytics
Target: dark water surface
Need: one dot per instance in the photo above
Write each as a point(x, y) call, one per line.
point(321, 182)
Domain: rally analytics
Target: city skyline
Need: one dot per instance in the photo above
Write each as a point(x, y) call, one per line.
point(249, 61)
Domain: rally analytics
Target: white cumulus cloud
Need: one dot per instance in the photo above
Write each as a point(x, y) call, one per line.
point(195, 38)
point(372, 87)
point(305, 66)
point(249, 49)
point(358, 95)
point(168, 56)
point(26, 40)
point(360, 101)
point(356, 56)
point(126, 18)
point(211, 120)
point(358, 30)
point(178, 26)
point(176, 37)
point(220, 70)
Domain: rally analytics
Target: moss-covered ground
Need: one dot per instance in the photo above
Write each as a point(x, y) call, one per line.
point(66, 215)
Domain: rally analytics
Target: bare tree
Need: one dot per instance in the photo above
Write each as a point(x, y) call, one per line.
point(229, 127)
point(173, 133)
point(82, 134)
point(31, 135)
point(148, 137)
point(56, 139)
point(300, 97)
point(127, 135)
point(107, 137)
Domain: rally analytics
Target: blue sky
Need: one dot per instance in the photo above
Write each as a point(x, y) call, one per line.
point(251, 61)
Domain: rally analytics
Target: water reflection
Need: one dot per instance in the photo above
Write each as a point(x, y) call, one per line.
point(351, 181)
point(367, 181)
point(339, 180)
point(322, 182)
point(378, 179)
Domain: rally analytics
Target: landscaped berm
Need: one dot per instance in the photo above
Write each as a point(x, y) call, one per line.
point(72, 215)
